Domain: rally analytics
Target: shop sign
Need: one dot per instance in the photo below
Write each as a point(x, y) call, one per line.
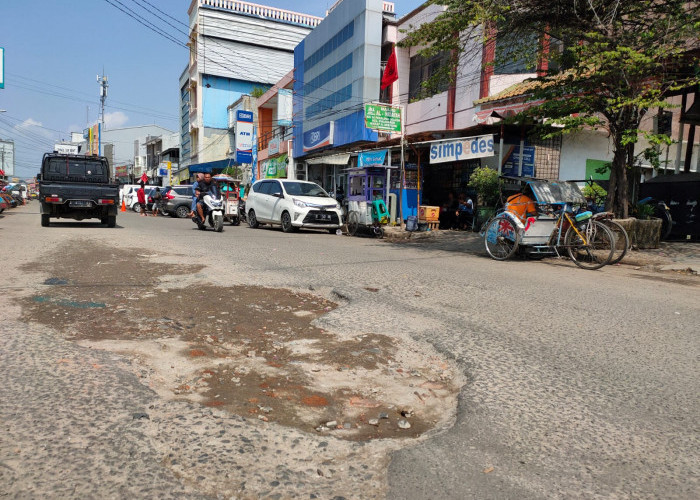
point(121, 171)
point(371, 158)
point(275, 168)
point(284, 107)
point(244, 136)
point(462, 149)
point(273, 147)
point(511, 165)
point(66, 149)
point(385, 118)
point(319, 137)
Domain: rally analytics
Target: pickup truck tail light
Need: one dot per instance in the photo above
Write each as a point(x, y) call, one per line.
point(104, 201)
point(53, 199)
point(170, 195)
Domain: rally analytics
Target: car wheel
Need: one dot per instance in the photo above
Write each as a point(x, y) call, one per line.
point(137, 208)
point(252, 219)
point(45, 220)
point(182, 212)
point(111, 220)
point(286, 220)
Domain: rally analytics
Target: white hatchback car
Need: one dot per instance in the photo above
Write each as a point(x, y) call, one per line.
point(293, 205)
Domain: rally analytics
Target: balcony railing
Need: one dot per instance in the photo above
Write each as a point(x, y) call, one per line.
point(272, 13)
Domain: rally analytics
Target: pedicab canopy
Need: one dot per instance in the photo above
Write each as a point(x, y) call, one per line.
point(556, 192)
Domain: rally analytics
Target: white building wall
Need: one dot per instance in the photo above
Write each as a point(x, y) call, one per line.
point(123, 140)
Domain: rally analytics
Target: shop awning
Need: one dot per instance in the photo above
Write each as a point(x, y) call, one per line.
point(337, 159)
point(210, 166)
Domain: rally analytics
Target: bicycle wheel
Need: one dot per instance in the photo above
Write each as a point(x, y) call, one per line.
point(598, 249)
point(622, 240)
point(501, 238)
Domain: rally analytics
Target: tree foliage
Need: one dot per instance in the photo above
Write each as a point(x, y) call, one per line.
point(611, 62)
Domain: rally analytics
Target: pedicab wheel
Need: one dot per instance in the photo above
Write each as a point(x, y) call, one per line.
point(501, 238)
point(378, 232)
point(353, 223)
point(596, 251)
point(622, 240)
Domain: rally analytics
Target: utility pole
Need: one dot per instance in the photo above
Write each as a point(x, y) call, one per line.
point(103, 95)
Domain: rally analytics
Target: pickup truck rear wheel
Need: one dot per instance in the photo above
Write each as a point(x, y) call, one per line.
point(45, 220)
point(111, 220)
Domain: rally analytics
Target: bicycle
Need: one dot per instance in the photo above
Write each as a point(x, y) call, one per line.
point(596, 203)
point(589, 243)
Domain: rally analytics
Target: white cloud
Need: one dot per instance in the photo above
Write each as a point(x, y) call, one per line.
point(115, 120)
point(33, 127)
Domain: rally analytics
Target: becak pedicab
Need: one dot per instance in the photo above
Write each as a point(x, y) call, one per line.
point(549, 218)
point(230, 189)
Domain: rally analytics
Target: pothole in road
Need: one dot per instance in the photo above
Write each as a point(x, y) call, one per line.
point(249, 350)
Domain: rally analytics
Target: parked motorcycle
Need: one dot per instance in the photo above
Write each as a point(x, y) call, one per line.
point(212, 206)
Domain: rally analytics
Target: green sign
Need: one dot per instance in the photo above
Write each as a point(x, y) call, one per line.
point(385, 118)
point(275, 168)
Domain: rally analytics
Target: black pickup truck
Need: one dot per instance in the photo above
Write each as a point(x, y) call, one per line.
point(77, 187)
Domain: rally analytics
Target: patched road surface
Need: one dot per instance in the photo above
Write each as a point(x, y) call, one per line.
point(157, 361)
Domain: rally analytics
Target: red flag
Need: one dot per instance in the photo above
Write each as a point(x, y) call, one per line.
point(144, 178)
point(2, 172)
point(391, 72)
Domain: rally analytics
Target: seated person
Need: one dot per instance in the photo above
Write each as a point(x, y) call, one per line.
point(465, 210)
point(448, 212)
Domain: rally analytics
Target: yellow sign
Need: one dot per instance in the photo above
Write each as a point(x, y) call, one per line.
point(170, 165)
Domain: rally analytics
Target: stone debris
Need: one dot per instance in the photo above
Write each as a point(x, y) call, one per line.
point(383, 415)
point(373, 421)
point(404, 424)
point(332, 423)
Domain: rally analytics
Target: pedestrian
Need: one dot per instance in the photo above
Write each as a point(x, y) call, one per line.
point(157, 200)
point(141, 198)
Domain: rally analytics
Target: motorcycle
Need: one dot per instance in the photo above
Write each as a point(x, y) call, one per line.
point(212, 206)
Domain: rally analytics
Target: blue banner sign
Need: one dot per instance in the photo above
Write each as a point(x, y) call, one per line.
point(510, 167)
point(371, 158)
point(319, 137)
point(244, 136)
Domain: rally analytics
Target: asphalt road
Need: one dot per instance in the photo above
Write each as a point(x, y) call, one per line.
point(577, 384)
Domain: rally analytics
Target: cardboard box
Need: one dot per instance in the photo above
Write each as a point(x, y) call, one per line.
point(428, 214)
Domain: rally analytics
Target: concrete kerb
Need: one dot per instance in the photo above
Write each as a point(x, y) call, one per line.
point(670, 256)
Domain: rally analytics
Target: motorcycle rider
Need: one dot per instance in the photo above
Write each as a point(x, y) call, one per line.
point(206, 186)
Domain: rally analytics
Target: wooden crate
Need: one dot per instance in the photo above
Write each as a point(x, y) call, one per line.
point(428, 214)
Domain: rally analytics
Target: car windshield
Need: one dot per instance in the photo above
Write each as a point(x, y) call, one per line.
point(305, 189)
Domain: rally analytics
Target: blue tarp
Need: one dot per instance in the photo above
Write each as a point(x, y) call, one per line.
point(211, 166)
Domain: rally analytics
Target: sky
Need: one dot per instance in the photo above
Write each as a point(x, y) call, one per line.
point(54, 50)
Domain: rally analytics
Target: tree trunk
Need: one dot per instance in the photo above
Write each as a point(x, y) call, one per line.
point(617, 200)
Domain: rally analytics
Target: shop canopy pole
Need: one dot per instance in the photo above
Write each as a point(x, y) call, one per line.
point(402, 177)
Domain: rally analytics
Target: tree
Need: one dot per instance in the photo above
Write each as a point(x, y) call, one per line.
point(610, 62)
